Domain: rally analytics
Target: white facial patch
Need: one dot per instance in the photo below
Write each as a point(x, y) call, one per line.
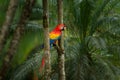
point(61, 27)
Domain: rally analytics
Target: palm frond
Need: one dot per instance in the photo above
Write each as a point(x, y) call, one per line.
point(109, 8)
point(27, 67)
point(96, 15)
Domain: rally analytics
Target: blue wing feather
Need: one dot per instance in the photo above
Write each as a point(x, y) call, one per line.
point(51, 42)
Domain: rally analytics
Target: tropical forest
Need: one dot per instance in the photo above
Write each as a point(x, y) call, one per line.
point(59, 39)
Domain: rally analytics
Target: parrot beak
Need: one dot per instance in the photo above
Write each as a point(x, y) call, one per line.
point(64, 28)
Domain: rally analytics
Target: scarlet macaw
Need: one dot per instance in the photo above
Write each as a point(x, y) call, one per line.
point(54, 35)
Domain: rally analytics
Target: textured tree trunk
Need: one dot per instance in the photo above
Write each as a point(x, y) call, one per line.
point(46, 39)
point(16, 37)
point(8, 21)
point(61, 52)
point(35, 77)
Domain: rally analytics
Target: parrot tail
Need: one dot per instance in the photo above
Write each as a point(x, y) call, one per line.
point(42, 64)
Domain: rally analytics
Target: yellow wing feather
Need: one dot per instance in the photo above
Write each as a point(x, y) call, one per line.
point(54, 36)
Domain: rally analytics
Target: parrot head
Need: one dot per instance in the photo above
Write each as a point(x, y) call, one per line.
point(60, 27)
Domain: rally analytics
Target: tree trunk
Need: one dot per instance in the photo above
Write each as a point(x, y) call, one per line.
point(46, 39)
point(8, 21)
point(35, 76)
point(61, 58)
point(16, 37)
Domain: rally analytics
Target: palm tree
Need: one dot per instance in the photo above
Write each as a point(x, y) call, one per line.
point(46, 40)
point(8, 21)
point(17, 35)
point(61, 57)
point(91, 43)
point(88, 48)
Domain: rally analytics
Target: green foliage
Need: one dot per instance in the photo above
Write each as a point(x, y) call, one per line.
point(33, 36)
point(3, 9)
point(92, 40)
point(90, 36)
point(29, 65)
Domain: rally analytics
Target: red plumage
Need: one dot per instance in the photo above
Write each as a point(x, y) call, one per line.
point(54, 36)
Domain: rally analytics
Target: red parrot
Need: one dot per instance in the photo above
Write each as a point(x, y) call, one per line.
point(54, 35)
